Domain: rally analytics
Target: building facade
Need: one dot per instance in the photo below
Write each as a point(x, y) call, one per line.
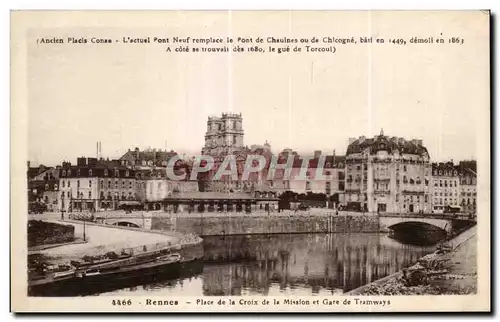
point(468, 188)
point(387, 174)
point(95, 184)
point(445, 187)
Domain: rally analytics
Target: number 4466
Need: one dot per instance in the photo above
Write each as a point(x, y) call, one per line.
point(121, 302)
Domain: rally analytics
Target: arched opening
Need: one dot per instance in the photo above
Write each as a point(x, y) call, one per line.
point(417, 233)
point(126, 224)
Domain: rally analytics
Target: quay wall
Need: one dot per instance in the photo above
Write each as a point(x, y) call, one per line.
point(263, 223)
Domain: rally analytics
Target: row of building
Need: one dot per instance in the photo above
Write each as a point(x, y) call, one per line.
point(379, 174)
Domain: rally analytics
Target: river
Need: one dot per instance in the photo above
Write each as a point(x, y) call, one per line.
point(296, 264)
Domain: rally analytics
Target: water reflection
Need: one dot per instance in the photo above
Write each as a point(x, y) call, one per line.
point(335, 262)
point(297, 264)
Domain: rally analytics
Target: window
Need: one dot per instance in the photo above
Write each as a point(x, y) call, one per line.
point(69, 195)
point(90, 173)
point(109, 184)
point(90, 194)
point(426, 198)
point(404, 168)
point(69, 184)
point(78, 183)
point(102, 184)
point(105, 173)
point(90, 183)
point(63, 183)
point(64, 173)
point(127, 173)
point(358, 167)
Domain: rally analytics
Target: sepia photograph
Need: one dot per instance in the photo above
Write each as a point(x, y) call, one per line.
point(311, 161)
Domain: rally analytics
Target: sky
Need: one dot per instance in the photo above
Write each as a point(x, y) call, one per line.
point(136, 95)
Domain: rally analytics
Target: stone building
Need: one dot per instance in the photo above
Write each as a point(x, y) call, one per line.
point(387, 174)
point(445, 187)
point(153, 186)
point(468, 186)
point(323, 175)
point(224, 134)
point(94, 184)
point(224, 137)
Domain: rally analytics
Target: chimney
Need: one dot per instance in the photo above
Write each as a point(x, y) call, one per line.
point(137, 153)
point(351, 140)
point(362, 139)
point(420, 142)
point(317, 154)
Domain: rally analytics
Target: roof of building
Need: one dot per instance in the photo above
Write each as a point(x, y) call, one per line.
point(390, 144)
point(148, 155)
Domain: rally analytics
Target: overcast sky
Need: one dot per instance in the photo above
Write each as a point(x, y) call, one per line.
point(138, 95)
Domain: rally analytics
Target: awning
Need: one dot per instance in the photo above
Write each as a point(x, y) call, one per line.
point(129, 203)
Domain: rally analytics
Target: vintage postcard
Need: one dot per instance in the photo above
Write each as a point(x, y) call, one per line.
point(250, 161)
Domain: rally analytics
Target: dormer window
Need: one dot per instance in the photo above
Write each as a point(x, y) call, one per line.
point(105, 173)
point(78, 172)
point(90, 173)
point(127, 173)
point(64, 173)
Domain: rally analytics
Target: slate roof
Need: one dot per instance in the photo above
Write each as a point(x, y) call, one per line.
point(390, 144)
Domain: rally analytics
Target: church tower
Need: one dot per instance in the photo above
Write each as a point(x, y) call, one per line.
point(224, 134)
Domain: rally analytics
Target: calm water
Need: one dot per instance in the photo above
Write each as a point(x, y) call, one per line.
point(304, 264)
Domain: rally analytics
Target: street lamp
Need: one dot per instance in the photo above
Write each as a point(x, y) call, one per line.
point(84, 219)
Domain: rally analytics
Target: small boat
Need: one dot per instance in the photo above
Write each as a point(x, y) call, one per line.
point(174, 258)
point(92, 272)
point(64, 274)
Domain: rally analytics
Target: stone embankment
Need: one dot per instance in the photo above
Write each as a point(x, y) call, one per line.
point(451, 269)
point(286, 222)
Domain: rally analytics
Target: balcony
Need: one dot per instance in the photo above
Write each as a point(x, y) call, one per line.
point(382, 192)
point(382, 179)
point(410, 192)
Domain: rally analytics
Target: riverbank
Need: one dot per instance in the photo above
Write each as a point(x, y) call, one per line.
point(439, 273)
point(102, 240)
